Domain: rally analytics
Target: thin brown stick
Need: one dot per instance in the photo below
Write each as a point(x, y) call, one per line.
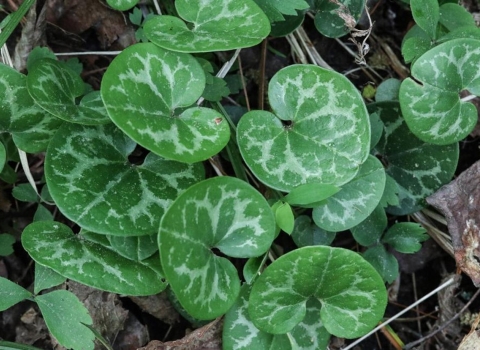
point(243, 83)
point(445, 325)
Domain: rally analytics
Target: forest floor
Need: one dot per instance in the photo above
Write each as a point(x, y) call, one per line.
point(131, 323)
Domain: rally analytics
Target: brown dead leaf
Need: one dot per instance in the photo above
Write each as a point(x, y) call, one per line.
point(208, 337)
point(472, 340)
point(459, 202)
point(158, 306)
point(77, 16)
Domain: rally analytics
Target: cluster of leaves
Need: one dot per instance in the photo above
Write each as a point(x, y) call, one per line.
point(150, 220)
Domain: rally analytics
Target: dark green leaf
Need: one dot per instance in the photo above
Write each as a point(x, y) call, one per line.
point(405, 237)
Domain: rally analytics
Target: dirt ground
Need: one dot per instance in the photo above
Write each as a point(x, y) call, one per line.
point(152, 322)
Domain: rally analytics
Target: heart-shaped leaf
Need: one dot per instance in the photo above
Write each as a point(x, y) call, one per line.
point(55, 87)
point(223, 213)
point(352, 294)
point(332, 17)
point(432, 107)
point(31, 127)
point(239, 332)
point(214, 25)
point(355, 202)
point(122, 5)
point(54, 245)
point(426, 14)
point(370, 230)
point(66, 318)
point(383, 261)
point(419, 168)
point(154, 86)
point(93, 183)
point(320, 131)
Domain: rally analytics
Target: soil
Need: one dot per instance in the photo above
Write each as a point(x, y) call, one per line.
point(152, 322)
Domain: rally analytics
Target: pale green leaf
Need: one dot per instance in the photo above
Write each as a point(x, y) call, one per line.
point(284, 217)
point(25, 193)
point(426, 14)
point(454, 16)
point(311, 193)
point(223, 213)
point(388, 90)
point(122, 5)
point(11, 293)
point(328, 18)
point(65, 317)
point(46, 278)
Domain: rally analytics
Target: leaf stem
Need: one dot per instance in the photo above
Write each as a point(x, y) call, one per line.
point(468, 98)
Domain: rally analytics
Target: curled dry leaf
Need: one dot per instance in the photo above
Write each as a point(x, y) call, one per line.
point(459, 202)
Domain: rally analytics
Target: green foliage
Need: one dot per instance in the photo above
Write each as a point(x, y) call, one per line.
point(124, 165)
point(6, 244)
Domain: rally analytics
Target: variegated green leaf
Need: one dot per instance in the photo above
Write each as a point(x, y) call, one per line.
point(239, 332)
point(223, 213)
point(431, 104)
point(419, 168)
point(330, 16)
point(55, 88)
point(93, 183)
point(320, 131)
point(54, 245)
point(214, 25)
point(31, 127)
point(356, 200)
point(352, 294)
point(154, 86)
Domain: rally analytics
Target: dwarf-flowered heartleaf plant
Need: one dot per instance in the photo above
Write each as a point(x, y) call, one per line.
point(239, 332)
point(315, 133)
point(157, 89)
point(55, 87)
point(212, 25)
point(418, 168)
point(30, 126)
point(355, 201)
point(94, 184)
point(351, 293)
point(54, 245)
point(432, 104)
point(221, 213)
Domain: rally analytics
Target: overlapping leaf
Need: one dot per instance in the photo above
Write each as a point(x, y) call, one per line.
point(239, 332)
point(331, 16)
point(419, 168)
point(351, 292)
point(31, 127)
point(134, 247)
point(93, 183)
point(356, 200)
point(213, 25)
point(55, 88)
point(223, 213)
point(146, 90)
point(320, 131)
point(432, 107)
point(54, 245)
